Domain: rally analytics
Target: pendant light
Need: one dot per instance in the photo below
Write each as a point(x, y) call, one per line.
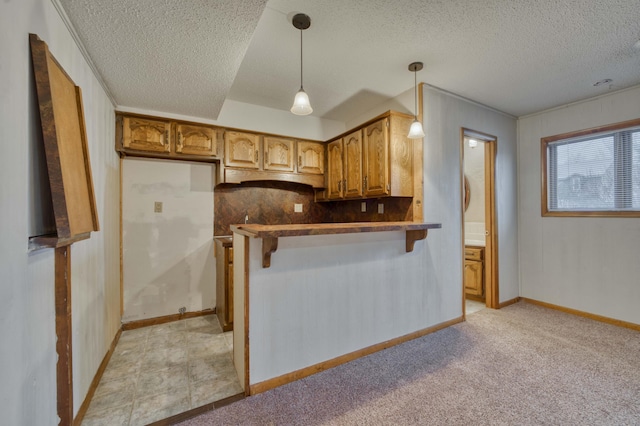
point(301, 105)
point(415, 131)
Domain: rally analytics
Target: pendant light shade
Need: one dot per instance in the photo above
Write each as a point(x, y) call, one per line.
point(301, 104)
point(415, 131)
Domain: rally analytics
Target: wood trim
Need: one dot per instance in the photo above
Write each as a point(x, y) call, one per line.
point(462, 213)
point(198, 411)
point(246, 316)
point(96, 380)
point(64, 369)
point(132, 325)
point(121, 242)
point(584, 314)
point(544, 142)
point(509, 302)
point(325, 365)
point(491, 251)
point(418, 165)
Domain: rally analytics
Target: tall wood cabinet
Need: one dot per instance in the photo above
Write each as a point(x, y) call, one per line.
point(374, 160)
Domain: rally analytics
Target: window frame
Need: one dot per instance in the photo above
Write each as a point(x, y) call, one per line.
point(544, 143)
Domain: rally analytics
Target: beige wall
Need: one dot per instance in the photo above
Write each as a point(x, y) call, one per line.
point(588, 264)
point(168, 260)
point(27, 318)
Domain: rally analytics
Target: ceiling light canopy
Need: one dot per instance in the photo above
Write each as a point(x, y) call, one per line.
point(415, 131)
point(301, 104)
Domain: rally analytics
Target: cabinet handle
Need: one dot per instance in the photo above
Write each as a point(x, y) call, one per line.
point(166, 137)
point(266, 157)
point(365, 182)
point(299, 161)
point(344, 184)
point(256, 160)
point(180, 140)
point(339, 186)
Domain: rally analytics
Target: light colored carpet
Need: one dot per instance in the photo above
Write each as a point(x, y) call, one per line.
point(522, 365)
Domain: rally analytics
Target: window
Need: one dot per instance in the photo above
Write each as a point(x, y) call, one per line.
point(594, 172)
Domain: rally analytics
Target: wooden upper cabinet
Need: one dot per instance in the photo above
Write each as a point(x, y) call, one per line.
point(241, 150)
point(376, 158)
point(196, 140)
point(334, 169)
point(278, 154)
point(311, 157)
point(352, 157)
point(146, 135)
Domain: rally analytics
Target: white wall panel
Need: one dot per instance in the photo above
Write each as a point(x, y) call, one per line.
point(444, 116)
point(27, 318)
point(588, 264)
point(327, 295)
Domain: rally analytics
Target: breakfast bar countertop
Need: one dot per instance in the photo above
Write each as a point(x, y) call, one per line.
point(295, 230)
point(270, 233)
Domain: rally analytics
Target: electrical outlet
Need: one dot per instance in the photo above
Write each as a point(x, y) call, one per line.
point(380, 208)
point(363, 207)
point(157, 207)
point(297, 208)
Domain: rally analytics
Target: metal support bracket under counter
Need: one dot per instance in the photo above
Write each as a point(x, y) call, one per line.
point(269, 233)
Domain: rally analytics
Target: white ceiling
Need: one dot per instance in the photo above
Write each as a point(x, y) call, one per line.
point(518, 56)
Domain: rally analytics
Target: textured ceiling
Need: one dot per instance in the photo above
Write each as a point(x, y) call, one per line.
point(167, 55)
point(518, 56)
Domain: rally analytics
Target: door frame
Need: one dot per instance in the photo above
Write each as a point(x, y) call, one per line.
point(490, 143)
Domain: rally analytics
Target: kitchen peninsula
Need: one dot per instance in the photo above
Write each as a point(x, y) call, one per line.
point(313, 296)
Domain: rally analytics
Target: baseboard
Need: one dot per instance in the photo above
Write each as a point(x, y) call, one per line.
point(509, 302)
point(96, 380)
point(594, 317)
point(167, 318)
point(325, 365)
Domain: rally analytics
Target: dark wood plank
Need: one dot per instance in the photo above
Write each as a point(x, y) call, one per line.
point(64, 371)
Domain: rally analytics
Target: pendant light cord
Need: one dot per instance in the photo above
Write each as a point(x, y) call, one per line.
point(415, 93)
point(301, 60)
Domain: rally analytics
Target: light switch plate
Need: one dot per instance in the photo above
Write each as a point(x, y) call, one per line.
point(157, 207)
point(380, 208)
point(297, 208)
point(363, 207)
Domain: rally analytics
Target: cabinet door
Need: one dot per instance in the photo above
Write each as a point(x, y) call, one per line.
point(353, 165)
point(376, 159)
point(311, 157)
point(278, 154)
point(196, 140)
point(334, 169)
point(473, 278)
point(241, 150)
point(146, 135)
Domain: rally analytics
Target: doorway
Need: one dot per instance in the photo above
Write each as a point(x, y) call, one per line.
point(478, 220)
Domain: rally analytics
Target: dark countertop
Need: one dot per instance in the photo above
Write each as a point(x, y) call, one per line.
point(225, 240)
point(294, 230)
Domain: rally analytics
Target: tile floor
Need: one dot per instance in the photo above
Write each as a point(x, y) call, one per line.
point(472, 306)
point(159, 371)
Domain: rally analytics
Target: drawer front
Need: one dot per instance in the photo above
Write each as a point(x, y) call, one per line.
point(472, 253)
